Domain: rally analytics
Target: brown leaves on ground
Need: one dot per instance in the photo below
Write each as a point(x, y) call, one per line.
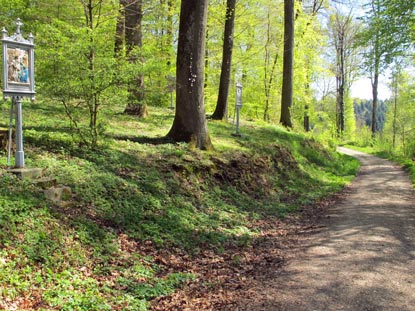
point(223, 280)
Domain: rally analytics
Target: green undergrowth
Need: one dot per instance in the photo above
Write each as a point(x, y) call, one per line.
point(136, 190)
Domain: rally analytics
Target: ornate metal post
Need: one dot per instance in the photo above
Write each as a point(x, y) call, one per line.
point(238, 107)
point(19, 156)
point(9, 150)
point(18, 81)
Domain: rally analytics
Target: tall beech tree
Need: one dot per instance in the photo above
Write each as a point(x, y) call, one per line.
point(133, 10)
point(120, 29)
point(344, 33)
point(395, 86)
point(375, 58)
point(189, 123)
point(271, 57)
point(388, 35)
point(400, 125)
point(311, 8)
point(221, 111)
point(288, 64)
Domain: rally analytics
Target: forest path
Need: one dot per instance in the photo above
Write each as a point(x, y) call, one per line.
point(363, 258)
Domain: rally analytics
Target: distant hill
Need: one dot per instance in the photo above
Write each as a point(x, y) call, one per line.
point(363, 113)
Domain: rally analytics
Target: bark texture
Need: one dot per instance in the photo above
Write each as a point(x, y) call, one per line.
point(189, 123)
point(120, 29)
point(221, 111)
point(288, 64)
point(134, 39)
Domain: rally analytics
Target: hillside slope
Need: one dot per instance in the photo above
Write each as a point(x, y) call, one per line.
point(147, 218)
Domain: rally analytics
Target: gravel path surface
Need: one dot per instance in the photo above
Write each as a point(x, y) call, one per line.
point(363, 258)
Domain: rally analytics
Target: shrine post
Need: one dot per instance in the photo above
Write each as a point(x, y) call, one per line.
point(18, 81)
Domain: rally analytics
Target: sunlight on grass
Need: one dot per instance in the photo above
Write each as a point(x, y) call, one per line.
point(137, 189)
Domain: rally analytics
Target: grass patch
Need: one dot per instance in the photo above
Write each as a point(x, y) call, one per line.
point(136, 195)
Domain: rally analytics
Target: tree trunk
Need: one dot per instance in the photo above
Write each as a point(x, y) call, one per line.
point(377, 56)
point(93, 102)
point(288, 64)
point(268, 72)
point(120, 29)
point(170, 39)
point(133, 39)
point(344, 35)
point(221, 111)
point(306, 119)
point(395, 107)
point(206, 61)
point(189, 123)
point(375, 84)
point(306, 122)
point(340, 83)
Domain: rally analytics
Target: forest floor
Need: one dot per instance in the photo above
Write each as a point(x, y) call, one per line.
point(153, 225)
point(360, 257)
point(353, 251)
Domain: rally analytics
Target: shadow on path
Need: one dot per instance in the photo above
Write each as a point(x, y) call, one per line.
point(364, 259)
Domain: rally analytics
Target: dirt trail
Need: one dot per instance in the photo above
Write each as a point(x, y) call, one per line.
point(362, 259)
